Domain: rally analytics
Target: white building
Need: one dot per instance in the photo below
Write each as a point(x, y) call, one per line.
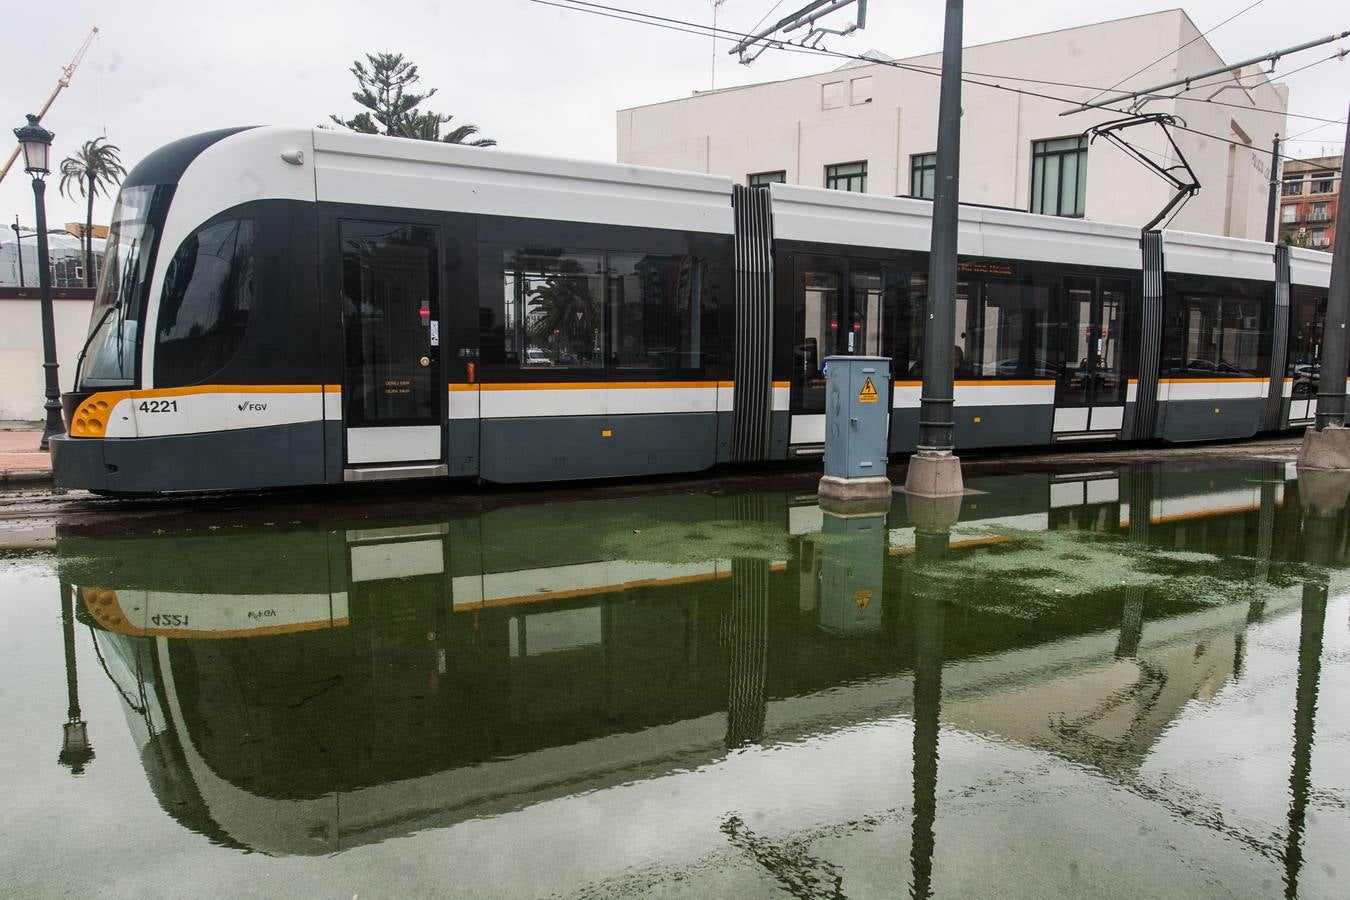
point(21, 374)
point(19, 258)
point(873, 127)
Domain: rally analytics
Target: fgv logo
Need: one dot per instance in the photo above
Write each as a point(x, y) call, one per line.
point(248, 406)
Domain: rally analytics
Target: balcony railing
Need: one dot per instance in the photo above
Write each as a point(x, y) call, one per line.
point(1319, 216)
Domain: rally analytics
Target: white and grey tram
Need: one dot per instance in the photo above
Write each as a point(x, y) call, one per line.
point(288, 306)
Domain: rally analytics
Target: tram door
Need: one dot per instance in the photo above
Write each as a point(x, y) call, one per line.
point(1091, 385)
point(839, 309)
point(393, 394)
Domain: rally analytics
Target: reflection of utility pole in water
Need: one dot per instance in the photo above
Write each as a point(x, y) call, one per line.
point(1141, 510)
point(76, 751)
point(1272, 480)
point(1272, 477)
point(1305, 715)
point(926, 598)
point(1323, 493)
point(745, 635)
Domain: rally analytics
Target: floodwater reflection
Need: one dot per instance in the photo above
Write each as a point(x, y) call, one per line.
point(712, 693)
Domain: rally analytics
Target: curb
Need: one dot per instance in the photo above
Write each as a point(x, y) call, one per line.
point(26, 478)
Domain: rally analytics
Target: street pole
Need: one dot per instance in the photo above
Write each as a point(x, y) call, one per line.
point(1331, 380)
point(934, 470)
point(1272, 202)
point(53, 424)
point(18, 248)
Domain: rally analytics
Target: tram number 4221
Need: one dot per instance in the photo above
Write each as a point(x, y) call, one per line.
point(169, 620)
point(158, 406)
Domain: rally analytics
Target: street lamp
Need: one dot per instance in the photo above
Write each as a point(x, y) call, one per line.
point(37, 146)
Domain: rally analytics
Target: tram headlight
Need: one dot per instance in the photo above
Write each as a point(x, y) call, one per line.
point(91, 417)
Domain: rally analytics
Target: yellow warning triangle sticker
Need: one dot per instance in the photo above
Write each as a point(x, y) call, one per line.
point(868, 394)
point(862, 599)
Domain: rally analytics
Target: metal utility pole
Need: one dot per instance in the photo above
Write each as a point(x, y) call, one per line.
point(934, 471)
point(18, 248)
point(1331, 382)
point(1273, 201)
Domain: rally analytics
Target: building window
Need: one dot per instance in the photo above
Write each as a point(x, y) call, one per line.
point(1322, 182)
point(860, 90)
point(1317, 238)
point(833, 95)
point(923, 175)
point(847, 177)
point(1293, 186)
point(1289, 214)
point(1321, 212)
point(1059, 176)
point(764, 179)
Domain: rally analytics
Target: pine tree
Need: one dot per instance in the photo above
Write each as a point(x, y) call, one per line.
point(385, 81)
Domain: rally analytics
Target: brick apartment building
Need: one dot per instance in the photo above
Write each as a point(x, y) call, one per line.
point(1309, 191)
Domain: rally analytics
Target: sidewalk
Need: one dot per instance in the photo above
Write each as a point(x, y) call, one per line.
point(21, 462)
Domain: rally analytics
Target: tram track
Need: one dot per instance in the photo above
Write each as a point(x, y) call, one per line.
point(30, 516)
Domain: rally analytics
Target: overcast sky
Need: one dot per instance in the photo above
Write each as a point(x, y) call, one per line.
point(537, 78)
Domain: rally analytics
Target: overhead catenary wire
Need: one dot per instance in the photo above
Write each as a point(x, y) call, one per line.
point(725, 34)
point(1175, 51)
point(1271, 57)
point(764, 18)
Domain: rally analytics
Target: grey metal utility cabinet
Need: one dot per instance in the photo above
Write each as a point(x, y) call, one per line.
point(857, 413)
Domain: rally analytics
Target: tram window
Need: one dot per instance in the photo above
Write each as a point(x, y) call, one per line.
point(657, 303)
point(554, 309)
point(1009, 332)
point(1217, 337)
point(208, 296)
point(1308, 312)
point(902, 325)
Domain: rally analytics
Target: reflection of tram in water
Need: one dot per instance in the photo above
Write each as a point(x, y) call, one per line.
point(306, 691)
point(359, 307)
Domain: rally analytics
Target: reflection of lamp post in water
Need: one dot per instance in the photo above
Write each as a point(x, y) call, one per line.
point(76, 751)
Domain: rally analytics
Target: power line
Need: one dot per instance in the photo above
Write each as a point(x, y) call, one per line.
point(764, 18)
point(724, 34)
point(1177, 50)
point(642, 18)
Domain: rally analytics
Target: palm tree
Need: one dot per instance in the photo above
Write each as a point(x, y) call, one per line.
point(427, 127)
point(95, 169)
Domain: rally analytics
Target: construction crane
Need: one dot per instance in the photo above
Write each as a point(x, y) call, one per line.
point(61, 83)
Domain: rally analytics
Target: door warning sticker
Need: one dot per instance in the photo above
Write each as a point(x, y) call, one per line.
point(868, 394)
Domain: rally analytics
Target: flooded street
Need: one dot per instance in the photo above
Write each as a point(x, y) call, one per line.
point(1122, 683)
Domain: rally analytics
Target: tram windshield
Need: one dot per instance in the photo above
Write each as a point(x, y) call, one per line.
point(109, 355)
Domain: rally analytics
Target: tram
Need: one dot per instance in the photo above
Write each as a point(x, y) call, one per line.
point(287, 306)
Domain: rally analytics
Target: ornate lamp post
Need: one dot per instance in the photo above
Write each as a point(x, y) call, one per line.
point(37, 144)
